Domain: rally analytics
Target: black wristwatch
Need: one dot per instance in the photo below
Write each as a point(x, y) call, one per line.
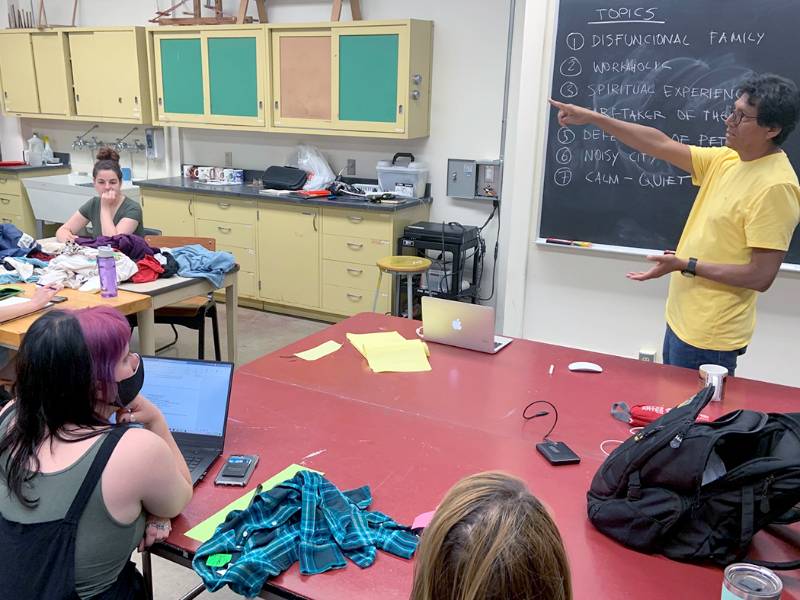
point(691, 268)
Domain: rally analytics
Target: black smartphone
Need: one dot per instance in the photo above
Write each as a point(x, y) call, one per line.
point(57, 299)
point(7, 292)
point(237, 470)
point(557, 453)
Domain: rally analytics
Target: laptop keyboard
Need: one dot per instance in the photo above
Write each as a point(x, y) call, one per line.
point(192, 458)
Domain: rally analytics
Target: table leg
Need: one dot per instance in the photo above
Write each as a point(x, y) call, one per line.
point(147, 571)
point(147, 331)
point(231, 308)
point(39, 229)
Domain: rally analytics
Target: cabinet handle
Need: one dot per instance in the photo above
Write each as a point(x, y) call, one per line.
point(5, 200)
point(354, 219)
point(190, 206)
point(160, 102)
point(416, 78)
point(356, 297)
point(77, 97)
point(276, 105)
point(120, 99)
point(260, 104)
point(415, 94)
point(355, 246)
point(5, 94)
point(314, 223)
point(136, 99)
point(223, 204)
point(400, 109)
point(353, 271)
point(3, 179)
point(308, 214)
point(6, 220)
point(224, 229)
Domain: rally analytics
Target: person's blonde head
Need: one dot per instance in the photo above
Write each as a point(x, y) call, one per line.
point(491, 539)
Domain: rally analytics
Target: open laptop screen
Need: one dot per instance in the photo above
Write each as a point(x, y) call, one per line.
point(192, 394)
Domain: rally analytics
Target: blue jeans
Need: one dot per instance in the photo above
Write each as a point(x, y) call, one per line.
point(679, 353)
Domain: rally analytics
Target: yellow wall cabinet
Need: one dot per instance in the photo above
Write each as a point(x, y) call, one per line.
point(361, 78)
point(76, 74)
point(209, 77)
point(109, 74)
point(34, 73)
point(288, 250)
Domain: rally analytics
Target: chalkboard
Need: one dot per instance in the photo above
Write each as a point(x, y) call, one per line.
point(671, 65)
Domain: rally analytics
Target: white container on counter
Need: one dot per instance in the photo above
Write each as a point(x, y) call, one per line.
point(407, 180)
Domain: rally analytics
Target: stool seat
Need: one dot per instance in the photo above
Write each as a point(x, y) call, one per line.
point(404, 264)
point(401, 265)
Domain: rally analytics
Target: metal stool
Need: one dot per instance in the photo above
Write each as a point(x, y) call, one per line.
point(401, 265)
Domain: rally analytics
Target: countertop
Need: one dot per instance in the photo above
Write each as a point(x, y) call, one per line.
point(181, 184)
point(26, 168)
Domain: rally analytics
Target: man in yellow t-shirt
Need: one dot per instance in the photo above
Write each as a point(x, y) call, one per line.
point(740, 225)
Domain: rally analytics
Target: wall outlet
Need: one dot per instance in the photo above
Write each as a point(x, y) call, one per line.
point(229, 159)
point(350, 169)
point(647, 355)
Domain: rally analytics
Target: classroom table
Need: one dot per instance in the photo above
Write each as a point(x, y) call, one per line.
point(12, 332)
point(412, 436)
point(170, 290)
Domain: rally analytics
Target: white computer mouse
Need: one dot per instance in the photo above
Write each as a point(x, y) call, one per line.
point(587, 367)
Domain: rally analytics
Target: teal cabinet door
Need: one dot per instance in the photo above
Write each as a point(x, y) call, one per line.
point(233, 76)
point(368, 67)
point(182, 76)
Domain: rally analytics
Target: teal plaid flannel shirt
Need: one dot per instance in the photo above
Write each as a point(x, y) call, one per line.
point(306, 518)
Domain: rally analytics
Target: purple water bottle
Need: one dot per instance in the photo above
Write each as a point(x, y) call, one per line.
point(107, 269)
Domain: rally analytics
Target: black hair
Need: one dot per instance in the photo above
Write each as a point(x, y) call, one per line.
point(776, 99)
point(107, 160)
point(54, 388)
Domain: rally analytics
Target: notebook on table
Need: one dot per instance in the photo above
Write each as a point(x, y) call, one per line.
point(194, 396)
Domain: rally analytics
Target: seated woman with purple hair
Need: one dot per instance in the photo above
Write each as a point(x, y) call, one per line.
point(76, 490)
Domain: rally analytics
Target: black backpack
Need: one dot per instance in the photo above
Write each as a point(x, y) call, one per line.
point(649, 493)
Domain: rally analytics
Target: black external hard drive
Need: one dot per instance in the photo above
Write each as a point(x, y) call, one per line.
point(557, 453)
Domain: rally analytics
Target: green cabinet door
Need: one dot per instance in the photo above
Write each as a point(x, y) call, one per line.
point(233, 77)
point(181, 76)
point(368, 78)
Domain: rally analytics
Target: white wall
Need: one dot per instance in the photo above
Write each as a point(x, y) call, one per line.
point(469, 57)
point(583, 299)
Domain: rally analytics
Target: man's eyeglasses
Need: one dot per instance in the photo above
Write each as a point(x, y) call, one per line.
point(737, 116)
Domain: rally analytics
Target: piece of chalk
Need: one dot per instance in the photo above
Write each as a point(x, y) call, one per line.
point(551, 369)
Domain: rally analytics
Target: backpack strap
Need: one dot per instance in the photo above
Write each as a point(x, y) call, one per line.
point(777, 566)
point(95, 471)
point(747, 532)
point(7, 414)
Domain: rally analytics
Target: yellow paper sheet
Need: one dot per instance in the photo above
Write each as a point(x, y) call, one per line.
point(378, 339)
point(406, 356)
point(328, 347)
point(202, 532)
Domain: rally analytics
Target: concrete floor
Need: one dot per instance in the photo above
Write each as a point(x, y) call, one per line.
point(258, 333)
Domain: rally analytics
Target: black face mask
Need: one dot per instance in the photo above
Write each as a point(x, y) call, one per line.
point(129, 388)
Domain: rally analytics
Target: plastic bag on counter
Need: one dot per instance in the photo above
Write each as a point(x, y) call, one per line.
point(311, 160)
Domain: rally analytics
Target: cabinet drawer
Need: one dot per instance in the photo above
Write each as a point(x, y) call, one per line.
point(227, 234)
point(360, 223)
point(350, 301)
point(10, 204)
point(364, 251)
point(9, 184)
point(362, 277)
point(12, 219)
point(227, 210)
point(245, 257)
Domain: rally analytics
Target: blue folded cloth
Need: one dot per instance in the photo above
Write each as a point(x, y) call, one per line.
point(196, 261)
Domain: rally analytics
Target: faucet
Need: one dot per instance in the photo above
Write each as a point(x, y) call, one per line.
point(79, 142)
point(138, 146)
point(122, 145)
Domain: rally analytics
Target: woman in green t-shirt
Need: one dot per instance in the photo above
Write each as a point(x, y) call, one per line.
point(110, 213)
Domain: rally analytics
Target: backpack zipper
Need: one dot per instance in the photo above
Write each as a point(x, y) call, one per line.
point(764, 506)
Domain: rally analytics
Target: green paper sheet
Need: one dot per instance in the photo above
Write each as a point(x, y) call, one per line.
point(203, 532)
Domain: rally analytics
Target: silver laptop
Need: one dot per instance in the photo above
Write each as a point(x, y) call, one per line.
point(460, 324)
point(194, 396)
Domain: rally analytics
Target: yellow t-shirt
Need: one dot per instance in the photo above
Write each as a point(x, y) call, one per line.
point(740, 206)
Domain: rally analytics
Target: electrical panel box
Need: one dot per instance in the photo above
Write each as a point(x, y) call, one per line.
point(153, 143)
point(474, 179)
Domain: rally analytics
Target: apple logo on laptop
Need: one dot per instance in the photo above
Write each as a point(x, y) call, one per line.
point(456, 324)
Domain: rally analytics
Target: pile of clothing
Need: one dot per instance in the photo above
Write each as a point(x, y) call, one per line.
point(74, 264)
point(306, 519)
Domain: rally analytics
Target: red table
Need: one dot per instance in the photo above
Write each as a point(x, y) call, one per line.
point(411, 436)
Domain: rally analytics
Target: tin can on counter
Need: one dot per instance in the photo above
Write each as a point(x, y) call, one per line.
point(743, 581)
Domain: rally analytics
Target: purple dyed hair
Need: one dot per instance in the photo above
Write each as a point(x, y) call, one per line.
point(106, 333)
